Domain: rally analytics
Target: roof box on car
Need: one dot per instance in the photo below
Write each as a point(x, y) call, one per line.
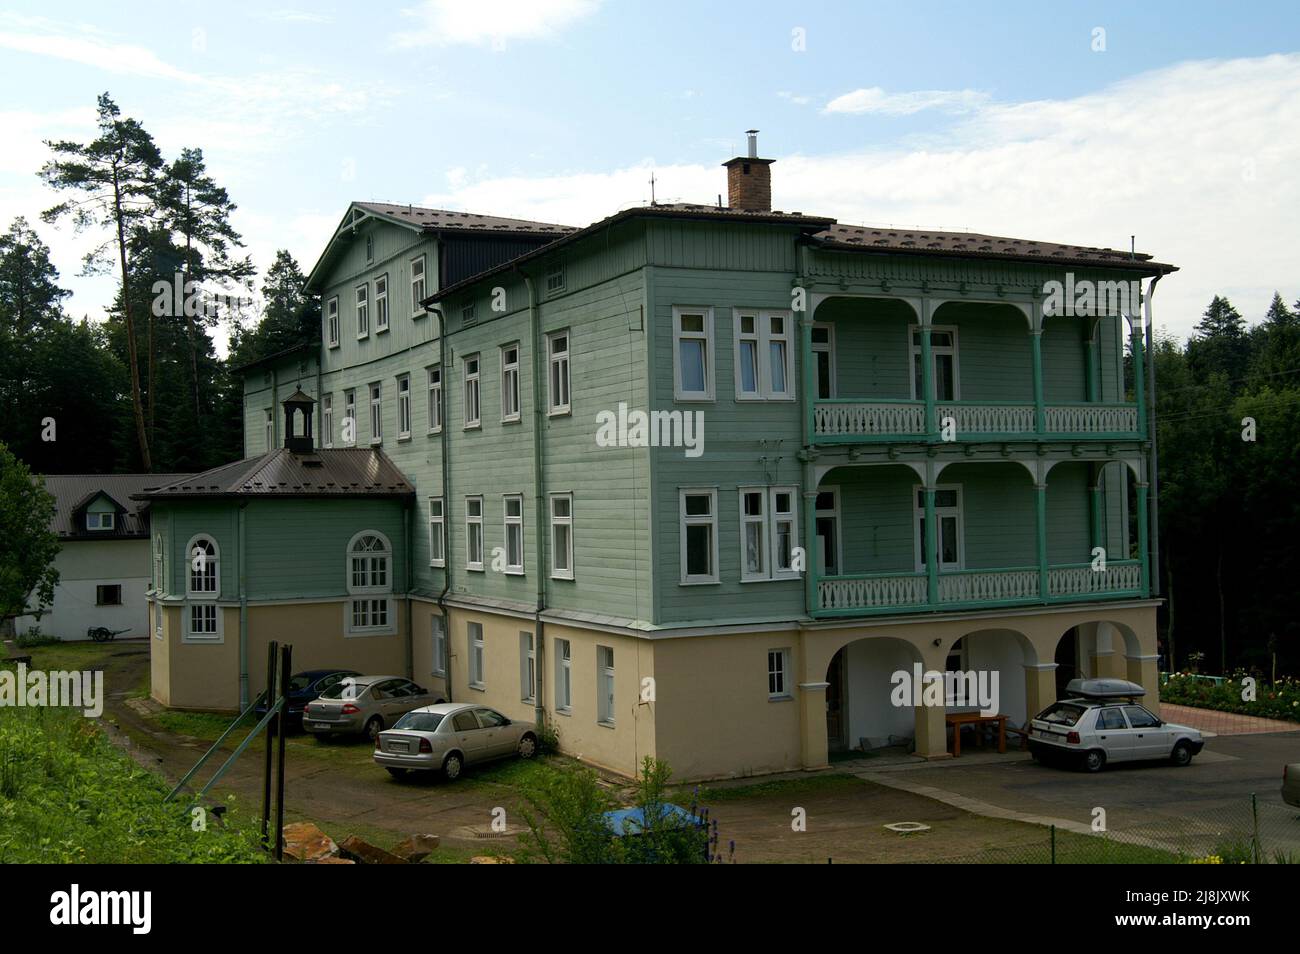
point(1104, 689)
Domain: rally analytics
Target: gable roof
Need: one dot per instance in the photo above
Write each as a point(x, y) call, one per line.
point(326, 472)
point(74, 492)
point(428, 222)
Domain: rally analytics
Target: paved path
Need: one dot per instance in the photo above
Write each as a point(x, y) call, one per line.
point(1223, 723)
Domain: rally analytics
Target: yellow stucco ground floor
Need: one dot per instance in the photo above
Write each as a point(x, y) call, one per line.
point(713, 702)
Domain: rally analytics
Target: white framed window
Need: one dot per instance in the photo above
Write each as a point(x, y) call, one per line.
point(769, 533)
point(827, 517)
point(823, 346)
point(381, 303)
point(437, 532)
point(404, 408)
point(555, 280)
point(368, 611)
point(435, 399)
point(363, 310)
point(778, 674)
point(949, 542)
point(438, 645)
point(159, 565)
point(557, 380)
point(513, 506)
point(327, 420)
point(268, 425)
point(764, 355)
point(699, 536)
point(474, 533)
point(100, 521)
point(563, 675)
point(605, 685)
point(474, 641)
point(417, 286)
point(203, 623)
point(562, 536)
point(332, 322)
point(469, 365)
point(370, 248)
point(943, 361)
point(510, 382)
point(693, 354)
point(349, 435)
point(527, 667)
point(376, 413)
point(203, 576)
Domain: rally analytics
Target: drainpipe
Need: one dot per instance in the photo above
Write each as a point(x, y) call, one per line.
point(539, 497)
point(408, 530)
point(808, 429)
point(446, 494)
point(242, 534)
point(1153, 503)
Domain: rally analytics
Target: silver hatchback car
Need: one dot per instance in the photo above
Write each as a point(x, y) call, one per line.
point(364, 705)
point(451, 735)
point(1102, 722)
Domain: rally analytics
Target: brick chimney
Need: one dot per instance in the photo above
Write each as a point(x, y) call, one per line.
point(749, 179)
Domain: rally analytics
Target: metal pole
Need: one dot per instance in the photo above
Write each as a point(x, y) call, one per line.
point(266, 767)
point(281, 725)
point(1153, 506)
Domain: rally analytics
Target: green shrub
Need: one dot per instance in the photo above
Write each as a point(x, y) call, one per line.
point(1278, 700)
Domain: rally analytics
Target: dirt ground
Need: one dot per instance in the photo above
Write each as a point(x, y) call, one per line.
point(337, 786)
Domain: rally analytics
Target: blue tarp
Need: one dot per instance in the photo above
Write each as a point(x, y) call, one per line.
point(631, 821)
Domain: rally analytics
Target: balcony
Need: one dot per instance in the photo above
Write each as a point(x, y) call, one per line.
point(851, 421)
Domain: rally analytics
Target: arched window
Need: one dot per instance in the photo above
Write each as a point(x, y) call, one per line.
point(204, 570)
point(370, 580)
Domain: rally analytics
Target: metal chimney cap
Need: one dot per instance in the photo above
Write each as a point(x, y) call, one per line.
point(753, 142)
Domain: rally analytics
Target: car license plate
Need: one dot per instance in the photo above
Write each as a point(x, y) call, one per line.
point(1044, 734)
point(319, 725)
point(399, 746)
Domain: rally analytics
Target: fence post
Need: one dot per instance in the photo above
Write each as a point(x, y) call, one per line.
point(1255, 846)
point(271, 653)
point(1053, 844)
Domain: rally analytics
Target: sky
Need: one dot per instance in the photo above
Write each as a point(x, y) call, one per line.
point(1085, 123)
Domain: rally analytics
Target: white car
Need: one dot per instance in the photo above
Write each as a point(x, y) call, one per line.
point(1102, 722)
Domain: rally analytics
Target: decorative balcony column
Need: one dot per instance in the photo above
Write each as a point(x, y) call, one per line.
point(1096, 506)
point(931, 544)
point(1143, 543)
point(808, 376)
point(1040, 510)
point(811, 572)
point(1139, 376)
point(1092, 382)
point(1036, 342)
point(927, 369)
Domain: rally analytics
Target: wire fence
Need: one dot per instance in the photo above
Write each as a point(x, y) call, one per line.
point(1248, 831)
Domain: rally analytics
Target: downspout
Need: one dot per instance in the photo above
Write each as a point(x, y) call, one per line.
point(408, 530)
point(242, 533)
point(446, 493)
point(539, 498)
point(1153, 504)
point(807, 426)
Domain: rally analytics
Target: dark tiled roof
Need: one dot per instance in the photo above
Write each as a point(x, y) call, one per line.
point(971, 244)
point(72, 492)
point(464, 221)
point(335, 472)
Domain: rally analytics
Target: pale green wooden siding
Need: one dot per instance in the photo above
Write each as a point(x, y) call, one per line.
point(186, 520)
point(994, 352)
point(876, 521)
point(870, 346)
point(1065, 366)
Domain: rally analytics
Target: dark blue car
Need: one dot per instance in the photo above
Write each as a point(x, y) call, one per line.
point(305, 687)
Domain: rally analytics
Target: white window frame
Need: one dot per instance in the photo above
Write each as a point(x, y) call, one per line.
point(527, 667)
point(761, 522)
point(269, 427)
point(829, 350)
point(332, 322)
point(557, 374)
point(437, 645)
point(516, 524)
point(767, 520)
point(776, 517)
point(381, 303)
point(918, 513)
point(763, 338)
point(564, 676)
point(475, 646)
point(605, 686)
point(437, 531)
point(208, 607)
point(350, 414)
point(778, 668)
point(362, 299)
point(473, 530)
point(418, 286)
point(104, 520)
point(685, 521)
point(509, 383)
point(211, 588)
point(435, 408)
point(680, 393)
point(368, 599)
point(473, 394)
point(376, 391)
point(561, 573)
point(403, 407)
point(914, 354)
point(834, 514)
point(327, 420)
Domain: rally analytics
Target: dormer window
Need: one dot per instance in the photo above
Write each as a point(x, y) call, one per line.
point(100, 521)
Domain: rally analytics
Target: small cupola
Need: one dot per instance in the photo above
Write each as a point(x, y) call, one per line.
point(298, 408)
point(749, 179)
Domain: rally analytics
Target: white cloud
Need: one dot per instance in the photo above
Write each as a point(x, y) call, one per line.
point(295, 16)
point(484, 22)
point(876, 100)
point(87, 47)
point(797, 99)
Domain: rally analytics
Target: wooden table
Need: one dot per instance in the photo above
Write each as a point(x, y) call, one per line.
point(959, 719)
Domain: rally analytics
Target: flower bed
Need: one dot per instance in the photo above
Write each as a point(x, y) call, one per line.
point(1279, 700)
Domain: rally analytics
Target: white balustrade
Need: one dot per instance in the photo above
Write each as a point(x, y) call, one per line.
point(874, 592)
point(866, 419)
point(1085, 581)
point(991, 586)
point(987, 418)
point(1091, 419)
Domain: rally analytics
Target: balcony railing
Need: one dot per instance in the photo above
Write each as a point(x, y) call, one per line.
point(867, 593)
point(849, 421)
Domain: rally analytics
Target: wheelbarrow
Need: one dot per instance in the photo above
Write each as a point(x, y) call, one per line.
point(102, 634)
